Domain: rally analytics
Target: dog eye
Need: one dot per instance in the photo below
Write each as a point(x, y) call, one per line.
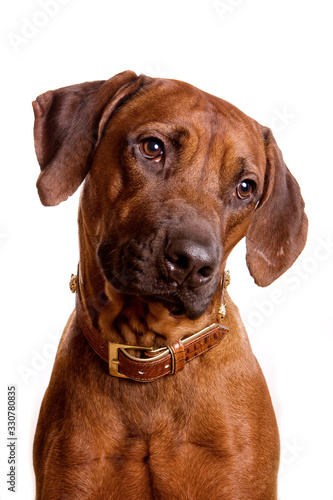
point(245, 189)
point(152, 149)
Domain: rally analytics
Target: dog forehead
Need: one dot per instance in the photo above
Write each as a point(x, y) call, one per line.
point(174, 98)
point(204, 129)
point(181, 105)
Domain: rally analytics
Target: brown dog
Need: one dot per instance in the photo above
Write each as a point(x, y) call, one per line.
point(174, 178)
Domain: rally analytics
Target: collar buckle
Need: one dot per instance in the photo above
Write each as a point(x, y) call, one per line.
point(114, 356)
point(114, 359)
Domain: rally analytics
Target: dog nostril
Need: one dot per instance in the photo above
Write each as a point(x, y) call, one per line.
point(180, 261)
point(205, 271)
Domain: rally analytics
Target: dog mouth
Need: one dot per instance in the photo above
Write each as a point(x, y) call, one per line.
point(182, 276)
point(173, 303)
point(179, 300)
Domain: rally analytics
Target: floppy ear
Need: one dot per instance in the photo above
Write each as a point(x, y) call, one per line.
point(69, 123)
point(278, 230)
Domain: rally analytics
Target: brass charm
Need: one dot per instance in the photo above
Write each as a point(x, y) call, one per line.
point(72, 283)
point(227, 279)
point(222, 312)
point(223, 307)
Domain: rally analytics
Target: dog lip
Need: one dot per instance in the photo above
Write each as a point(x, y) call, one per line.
point(174, 303)
point(177, 308)
point(170, 300)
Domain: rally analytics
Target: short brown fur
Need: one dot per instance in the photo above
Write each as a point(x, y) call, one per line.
point(208, 432)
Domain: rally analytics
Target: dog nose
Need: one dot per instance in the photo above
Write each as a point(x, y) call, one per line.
point(190, 261)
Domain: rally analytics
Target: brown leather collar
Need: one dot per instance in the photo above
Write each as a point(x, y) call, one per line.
point(154, 363)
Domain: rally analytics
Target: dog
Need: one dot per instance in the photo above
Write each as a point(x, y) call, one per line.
point(155, 392)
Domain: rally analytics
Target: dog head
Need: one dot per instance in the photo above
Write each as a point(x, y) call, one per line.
point(174, 178)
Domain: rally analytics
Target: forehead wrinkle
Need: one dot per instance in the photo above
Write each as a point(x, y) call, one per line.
point(201, 156)
point(248, 165)
point(212, 131)
point(198, 133)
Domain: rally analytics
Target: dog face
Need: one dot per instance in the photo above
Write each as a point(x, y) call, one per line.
point(182, 185)
point(175, 178)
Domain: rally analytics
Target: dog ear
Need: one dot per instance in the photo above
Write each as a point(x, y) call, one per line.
point(69, 123)
point(278, 231)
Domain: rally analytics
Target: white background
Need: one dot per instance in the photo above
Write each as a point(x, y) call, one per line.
point(272, 59)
